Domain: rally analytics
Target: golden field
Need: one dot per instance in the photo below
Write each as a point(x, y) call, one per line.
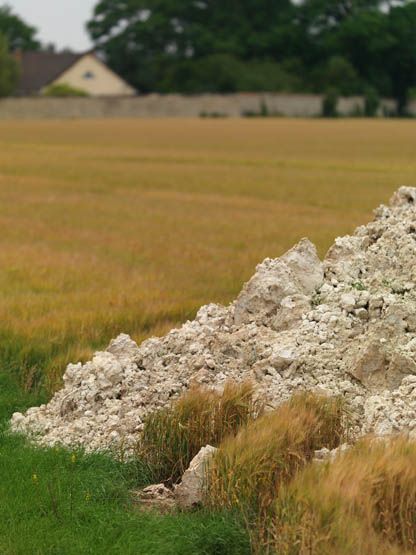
point(111, 226)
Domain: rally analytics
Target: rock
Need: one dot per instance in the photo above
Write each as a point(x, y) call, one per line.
point(348, 302)
point(123, 347)
point(191, 488)
point(157, 497)
point(290, 312)
point(404, 196)
point(156, 491)
point(362, 314)
point(305, 266)
point(325, 454)
point(371, 365)
point(401, 365)
point(281, 358)
point(296, 274)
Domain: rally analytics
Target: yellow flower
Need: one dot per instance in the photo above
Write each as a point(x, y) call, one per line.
point(87, 496)
point(35, 478)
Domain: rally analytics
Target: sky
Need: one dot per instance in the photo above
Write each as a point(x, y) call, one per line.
point(61, 22)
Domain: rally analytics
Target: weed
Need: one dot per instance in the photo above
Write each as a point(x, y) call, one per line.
point(364, 503)
point(316, 299)
point(248, 470)
point(358, 285)
point(173, 436)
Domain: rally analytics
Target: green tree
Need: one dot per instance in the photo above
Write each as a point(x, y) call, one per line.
point(230, 45)
point(20, 35)
point(337, 72)
point(400, 56)
point(9, 70)
point(382, 48)
point(224, 73)
point(379, 44)
point(142, 38)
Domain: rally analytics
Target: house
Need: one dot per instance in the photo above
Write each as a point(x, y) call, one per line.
point(39, 70)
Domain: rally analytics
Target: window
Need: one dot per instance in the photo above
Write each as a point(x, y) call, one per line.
point(88, 75)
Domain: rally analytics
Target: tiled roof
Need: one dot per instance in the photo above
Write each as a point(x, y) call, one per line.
point(38, 69)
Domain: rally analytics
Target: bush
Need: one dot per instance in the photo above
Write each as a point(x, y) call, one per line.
point(9, 69)
point(371, 102)
point(63, 90)
point(341, 74)
point(363, 503)
point(224, 73)
point(248, 470)
point(173, 436)
point(330, 103)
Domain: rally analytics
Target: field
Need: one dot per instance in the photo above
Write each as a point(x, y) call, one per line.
point(130, 226)
point(110, 226)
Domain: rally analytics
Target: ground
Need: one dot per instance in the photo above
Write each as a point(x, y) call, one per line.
point(111, 226)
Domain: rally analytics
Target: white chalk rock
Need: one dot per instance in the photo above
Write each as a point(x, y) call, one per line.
point(191, 488)
point(295, 274)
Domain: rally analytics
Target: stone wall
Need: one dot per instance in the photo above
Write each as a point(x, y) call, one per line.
point(174, 105)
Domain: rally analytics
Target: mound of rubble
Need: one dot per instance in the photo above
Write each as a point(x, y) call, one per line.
point(344, 326)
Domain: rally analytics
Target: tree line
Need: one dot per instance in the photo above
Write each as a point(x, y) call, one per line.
point(191, 46)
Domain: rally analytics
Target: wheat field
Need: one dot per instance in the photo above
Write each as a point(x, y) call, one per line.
point(131, 225)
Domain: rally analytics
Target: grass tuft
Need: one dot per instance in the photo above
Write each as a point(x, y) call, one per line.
point(363, 503)
point(250, 468)
point(173, 436)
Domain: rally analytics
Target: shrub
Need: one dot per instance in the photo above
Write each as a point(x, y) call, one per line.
point(341, 74)
point(371, 102)
point(330, 103)
point(63, 90)
point(224, 73)
point(9, 69)
point(363, 503)
point(249, 469)
point(173, 436)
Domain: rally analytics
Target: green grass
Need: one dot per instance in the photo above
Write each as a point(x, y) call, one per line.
point(55, 502)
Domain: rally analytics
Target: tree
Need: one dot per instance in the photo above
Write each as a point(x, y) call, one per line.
point(401, 53)
point(224, 73)
point(338, 73)
point(382, 48)
point(379, 44)
point(20, 36)
point(229, 45)
point(142, 38)
point(9, 69)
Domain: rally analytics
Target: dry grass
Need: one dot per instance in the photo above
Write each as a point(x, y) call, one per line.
point(173, 436)
point(109, 226)
point(249, 469)
point(362, 504)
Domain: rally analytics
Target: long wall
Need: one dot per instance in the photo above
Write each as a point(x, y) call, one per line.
point(174, 105)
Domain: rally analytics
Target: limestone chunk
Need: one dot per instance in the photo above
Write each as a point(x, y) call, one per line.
point(191, 488)
point(296, 274)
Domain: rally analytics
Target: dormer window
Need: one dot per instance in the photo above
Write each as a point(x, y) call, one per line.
point(88, 75)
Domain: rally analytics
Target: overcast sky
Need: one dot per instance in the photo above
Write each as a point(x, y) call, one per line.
point(59, 21)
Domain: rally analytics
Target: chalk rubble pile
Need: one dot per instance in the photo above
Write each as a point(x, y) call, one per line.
point(345, 326)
